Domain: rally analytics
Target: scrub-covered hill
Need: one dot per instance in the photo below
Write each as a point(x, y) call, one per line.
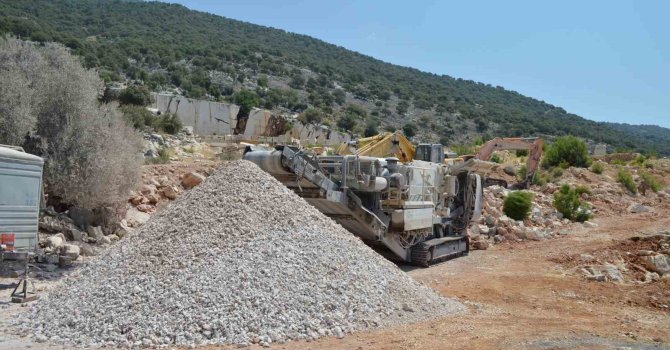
point(169, 47)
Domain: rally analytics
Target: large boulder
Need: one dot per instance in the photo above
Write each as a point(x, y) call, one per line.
point(147, 190)
point(170, 192)
point(154, 198)
point(145, 208)
point(86, 249)
point(659, 263)
point(496, 190)
point(56, 241)
point(77, 236)
point(638, 208)
point(150, 150)
point(510, 170)
point(157, 138)
point(590, 224)
point(501, 230)
point(84, 217)
point(53, 225)
point(95, 232)
point(122, 230)
point(480, 245)
point(192, 179)
point(612, 272)
point(62, 225)
point(137, 200)
point(163, 180)
point(533, 234)
point(70, 250)
point(136, 218)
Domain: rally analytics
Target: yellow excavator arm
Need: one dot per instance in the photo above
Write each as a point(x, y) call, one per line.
point(380, 146)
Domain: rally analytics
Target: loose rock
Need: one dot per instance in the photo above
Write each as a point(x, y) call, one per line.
point(192, 179)
point(70, 250)
point(638, 208)
point(239, 259)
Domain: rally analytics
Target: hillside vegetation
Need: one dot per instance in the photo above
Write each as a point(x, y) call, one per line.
point(169, 47)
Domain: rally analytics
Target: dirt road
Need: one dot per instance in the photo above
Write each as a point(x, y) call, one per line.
point(521, 297)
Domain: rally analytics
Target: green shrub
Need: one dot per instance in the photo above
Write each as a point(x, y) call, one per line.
point(517, 205)
point(581, 189)
point(651, 181)
point(229, 154)
point(310, 116)
point(138, 116)
point(168, 123)
point(522, 172)
point(262, 81)
point(135, 95)
point(597, 168)
point(247, 100)
point(163, 157)
point(496, 159)
point(567, 202)
point(409, 129)
point(522, 153)
point(626, 179)
point(583, 213)
point(639, 160)
point(557, 172)
point(567, 151)
point(618, 162)
point(371, 128)
point(539, 180)
point(462, 150)
point(642, 161)
point(346, 122)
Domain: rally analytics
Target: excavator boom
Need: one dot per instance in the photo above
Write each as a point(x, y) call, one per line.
point(380, 146)
point(533, 145)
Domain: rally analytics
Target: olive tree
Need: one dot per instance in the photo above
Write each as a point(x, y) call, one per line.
point(49, 104)
point(19, 66)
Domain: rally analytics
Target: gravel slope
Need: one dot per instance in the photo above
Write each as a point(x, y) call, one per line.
point(239, 259)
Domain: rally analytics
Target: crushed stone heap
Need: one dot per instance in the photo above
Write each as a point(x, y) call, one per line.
point(239, 259)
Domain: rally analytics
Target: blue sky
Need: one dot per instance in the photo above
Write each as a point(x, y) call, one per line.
point(604, 60)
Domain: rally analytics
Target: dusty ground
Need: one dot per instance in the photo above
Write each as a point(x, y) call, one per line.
point(520, 296)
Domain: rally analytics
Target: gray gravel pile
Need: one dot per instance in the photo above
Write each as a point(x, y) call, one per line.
point(240, 259)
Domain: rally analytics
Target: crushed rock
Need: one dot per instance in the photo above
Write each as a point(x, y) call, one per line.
point(240, 259)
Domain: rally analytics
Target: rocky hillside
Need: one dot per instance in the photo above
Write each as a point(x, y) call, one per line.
point(169, 47)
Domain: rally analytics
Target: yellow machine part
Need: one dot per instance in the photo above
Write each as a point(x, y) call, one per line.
point(381, 146)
